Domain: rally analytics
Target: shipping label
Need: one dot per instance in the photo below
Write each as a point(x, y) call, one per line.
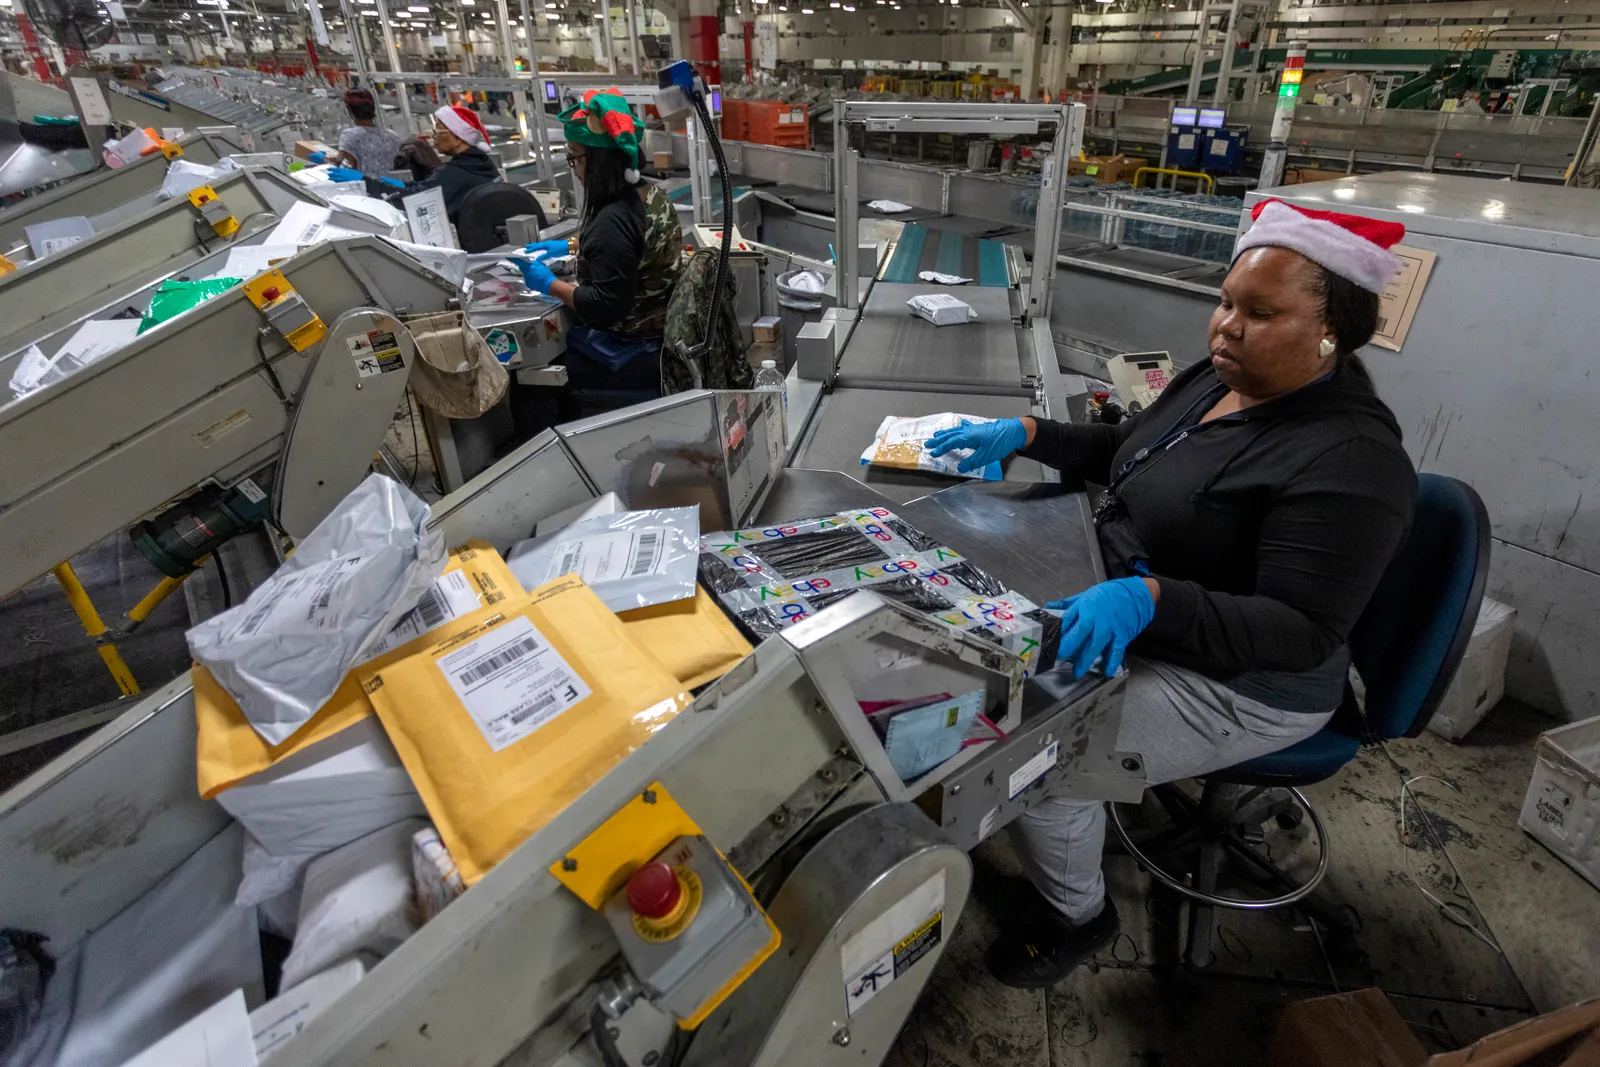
point(613, 556)
point(512, 681)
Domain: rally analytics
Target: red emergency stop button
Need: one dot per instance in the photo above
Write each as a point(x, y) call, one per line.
point(654, 891)
point(270, 294)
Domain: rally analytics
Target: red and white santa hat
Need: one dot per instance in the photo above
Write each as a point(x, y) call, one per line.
point(1351, 246)
point(463, 122)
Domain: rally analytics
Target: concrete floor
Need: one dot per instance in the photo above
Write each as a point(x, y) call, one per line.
point(1539, 921)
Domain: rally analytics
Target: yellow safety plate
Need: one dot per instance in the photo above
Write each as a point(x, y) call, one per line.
point(204, 195)
point(6, 266)
point(602, 863)
point(773, 941)
point(171, 149)
point(268, 288)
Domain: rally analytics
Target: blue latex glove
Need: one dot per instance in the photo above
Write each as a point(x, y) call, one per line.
point(535, 275)
point(393, 183)
point(1101, 621)
point(990, 442)
point(549, 248)
point(344, 174)
point(318, 157)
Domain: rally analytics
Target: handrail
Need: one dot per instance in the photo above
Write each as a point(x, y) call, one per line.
point(1211, 183)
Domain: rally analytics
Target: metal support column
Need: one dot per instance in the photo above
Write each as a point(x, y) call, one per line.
point(700, 182)
point(394, 66)
point(846, 231)
point(629, 11)
point(1047, 224)
point(533, 106)
point(1219, 94)
point(358, 47)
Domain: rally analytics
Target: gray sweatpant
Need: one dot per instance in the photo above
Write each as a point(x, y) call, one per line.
point(1183, 725)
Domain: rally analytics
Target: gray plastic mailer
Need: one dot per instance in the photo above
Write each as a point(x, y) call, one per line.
point(283, 652)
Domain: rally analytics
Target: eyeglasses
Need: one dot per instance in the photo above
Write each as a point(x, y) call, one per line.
point(572, 159)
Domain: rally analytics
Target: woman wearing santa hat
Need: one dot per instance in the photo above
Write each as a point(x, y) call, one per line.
point(462, 140)
point(1251, 511)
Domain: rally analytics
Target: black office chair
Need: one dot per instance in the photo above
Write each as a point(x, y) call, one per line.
point(481, 222)
point(1406, 647)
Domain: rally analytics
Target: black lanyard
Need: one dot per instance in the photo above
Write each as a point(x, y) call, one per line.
point(1180, 430)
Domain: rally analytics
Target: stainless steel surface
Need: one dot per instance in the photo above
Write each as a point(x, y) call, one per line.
point(790, 1012)
point(150, 421)
point(50, 293)
point(1081, 722)
point(337, 408)
point(892, 343)
point(1494, 386)
point(95, 194)
point(847, 418)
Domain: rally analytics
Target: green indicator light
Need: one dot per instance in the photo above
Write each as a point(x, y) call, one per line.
point(1288, 90)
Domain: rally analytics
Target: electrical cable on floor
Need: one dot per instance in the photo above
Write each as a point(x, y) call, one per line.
point(1454, 911)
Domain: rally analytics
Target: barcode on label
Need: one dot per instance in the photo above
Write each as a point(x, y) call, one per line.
point(1383, 324)
point(431, 608)
point(501, 659)
point(536, 707)
point(569, 559)
point(646, 553)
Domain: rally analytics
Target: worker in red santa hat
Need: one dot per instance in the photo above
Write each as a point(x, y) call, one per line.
point(1251, 510)
point(461, 139)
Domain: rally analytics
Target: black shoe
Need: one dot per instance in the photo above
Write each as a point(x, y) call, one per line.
point(1044, 950)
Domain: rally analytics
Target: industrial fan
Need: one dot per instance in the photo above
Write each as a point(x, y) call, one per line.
point(79, 25)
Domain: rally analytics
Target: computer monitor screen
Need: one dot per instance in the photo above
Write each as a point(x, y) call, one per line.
point(550, 92)
point(716, 102)
point(1212, 119)
point(1184, 116)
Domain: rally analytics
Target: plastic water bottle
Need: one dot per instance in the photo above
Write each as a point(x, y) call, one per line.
point(769, 379)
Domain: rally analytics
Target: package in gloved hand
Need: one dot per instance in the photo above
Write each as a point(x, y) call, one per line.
point(632, 559)
point(941, 310)
point(901, 442)
point(283, 652)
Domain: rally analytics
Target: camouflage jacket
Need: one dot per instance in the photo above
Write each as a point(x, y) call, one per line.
point(656, 271)
point(723, 364)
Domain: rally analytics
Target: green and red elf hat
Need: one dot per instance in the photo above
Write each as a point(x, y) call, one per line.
point(604, 120)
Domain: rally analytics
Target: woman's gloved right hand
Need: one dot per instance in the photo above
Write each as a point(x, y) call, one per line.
point(990, 442)
point(549, 248)
point(317, 157)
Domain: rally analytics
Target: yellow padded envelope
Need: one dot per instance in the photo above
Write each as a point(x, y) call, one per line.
point(230, 750)
point(691, 637)
point(509, 714)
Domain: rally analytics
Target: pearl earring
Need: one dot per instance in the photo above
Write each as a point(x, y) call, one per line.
point(1325, 348)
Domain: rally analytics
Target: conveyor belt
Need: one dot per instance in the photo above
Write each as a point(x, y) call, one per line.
point(923, 248)
point(847, 418)
point(890, 343)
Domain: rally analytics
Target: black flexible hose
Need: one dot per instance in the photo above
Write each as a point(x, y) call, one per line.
point(727, 226)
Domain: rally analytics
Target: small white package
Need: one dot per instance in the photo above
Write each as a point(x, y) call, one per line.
point(888, 207)
point(356, 902)
point(218, 1036)
point(57, 235)
point(449, 263)
point(901, 443)
point(438, 879)
point(278, 1020)
point(633, 559)
point(184, 176)
point(283, 652)
point(93, 341)
point(941, 310)
point(324, 796)
point(942, 279)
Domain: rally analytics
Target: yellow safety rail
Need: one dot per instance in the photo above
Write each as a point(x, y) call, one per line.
point(1142, 171)
point(104, 637)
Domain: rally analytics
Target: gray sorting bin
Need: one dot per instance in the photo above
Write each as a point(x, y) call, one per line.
point(796, 307)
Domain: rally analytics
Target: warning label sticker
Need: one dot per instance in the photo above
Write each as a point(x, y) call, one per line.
point(893, 943)
point(375, 353)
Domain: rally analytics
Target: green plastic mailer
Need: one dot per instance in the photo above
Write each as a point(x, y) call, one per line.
point(173, 298)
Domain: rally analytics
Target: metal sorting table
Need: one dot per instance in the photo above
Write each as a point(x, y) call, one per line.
point(846, 419)
point(1039, 539)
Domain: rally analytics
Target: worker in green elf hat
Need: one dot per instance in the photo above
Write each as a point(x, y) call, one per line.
point(628, 254)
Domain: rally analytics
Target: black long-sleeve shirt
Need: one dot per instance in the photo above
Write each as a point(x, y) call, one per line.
point(1268, 530)
point(609, 276)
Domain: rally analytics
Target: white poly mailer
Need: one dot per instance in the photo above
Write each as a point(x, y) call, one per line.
point(283, 652)
point(632, 559)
